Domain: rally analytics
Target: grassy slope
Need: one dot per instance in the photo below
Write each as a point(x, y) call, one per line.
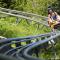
point(9, 28)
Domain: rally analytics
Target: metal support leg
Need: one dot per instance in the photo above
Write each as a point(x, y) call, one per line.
point(17, 20)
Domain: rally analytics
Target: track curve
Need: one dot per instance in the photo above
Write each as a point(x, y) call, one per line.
point(25, 52)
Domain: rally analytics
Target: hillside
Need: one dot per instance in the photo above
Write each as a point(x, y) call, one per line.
point(34, 6)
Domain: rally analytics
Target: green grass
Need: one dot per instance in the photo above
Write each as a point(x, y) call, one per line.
point(9, 28)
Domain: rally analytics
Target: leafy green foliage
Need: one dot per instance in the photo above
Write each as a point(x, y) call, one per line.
point(9, 28)
point(56, 6)
point(34, 6)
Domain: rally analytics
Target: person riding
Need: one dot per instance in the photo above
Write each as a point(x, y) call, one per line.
point(53, 18)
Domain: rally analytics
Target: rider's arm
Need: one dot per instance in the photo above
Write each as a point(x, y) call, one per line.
point(49, 18)
point(58, 16)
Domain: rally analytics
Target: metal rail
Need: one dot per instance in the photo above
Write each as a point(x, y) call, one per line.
point(37, 44)
point(22, 12)
point(25, 15)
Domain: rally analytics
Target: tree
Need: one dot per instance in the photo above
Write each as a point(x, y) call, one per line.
point(7, 3)
point(56, 6)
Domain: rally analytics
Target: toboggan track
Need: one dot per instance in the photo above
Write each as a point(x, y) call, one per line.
point(24, 52)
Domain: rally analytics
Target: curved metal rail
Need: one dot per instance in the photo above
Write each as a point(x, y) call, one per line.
point(20, 49)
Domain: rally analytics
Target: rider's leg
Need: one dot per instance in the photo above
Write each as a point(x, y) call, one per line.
point(49, 22)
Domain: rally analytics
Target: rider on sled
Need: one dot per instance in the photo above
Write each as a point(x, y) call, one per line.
point(53, 18)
